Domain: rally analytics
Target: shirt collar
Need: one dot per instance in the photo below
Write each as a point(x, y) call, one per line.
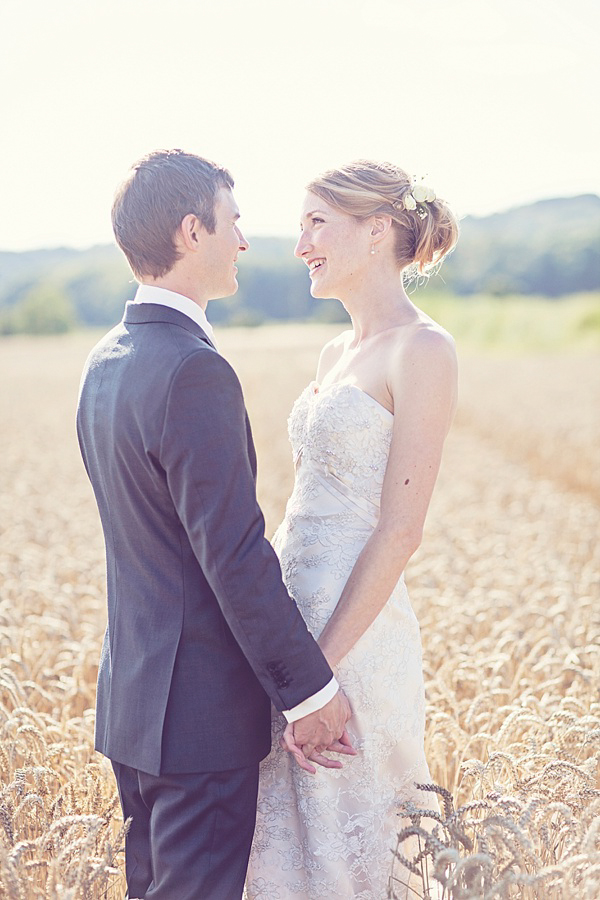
point(149, 293)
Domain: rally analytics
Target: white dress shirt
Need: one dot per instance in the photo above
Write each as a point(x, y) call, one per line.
point(149, 293)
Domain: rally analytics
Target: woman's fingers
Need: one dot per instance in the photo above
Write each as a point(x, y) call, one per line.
point(308, 754)
point(338, 747)
point(344, 745)
point(325, 761)
point(287, 742)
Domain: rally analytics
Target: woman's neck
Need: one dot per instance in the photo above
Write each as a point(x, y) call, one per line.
point(379, 304)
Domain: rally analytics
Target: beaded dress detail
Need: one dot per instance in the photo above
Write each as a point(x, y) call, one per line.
point(331, 835)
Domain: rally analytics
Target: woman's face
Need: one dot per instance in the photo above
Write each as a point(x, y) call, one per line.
point(334, 245)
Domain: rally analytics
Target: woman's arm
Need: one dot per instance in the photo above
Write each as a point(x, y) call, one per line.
point(423, 383)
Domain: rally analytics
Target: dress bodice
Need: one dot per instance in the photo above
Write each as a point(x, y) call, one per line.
point(331, 836)
point(345, 433)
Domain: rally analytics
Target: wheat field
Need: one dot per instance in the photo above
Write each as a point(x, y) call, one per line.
point(506, 587)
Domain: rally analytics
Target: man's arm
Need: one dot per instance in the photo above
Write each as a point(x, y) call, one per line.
point(312, 704)
point(205, 456)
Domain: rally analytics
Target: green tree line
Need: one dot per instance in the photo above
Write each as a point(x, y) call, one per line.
point(550, 248)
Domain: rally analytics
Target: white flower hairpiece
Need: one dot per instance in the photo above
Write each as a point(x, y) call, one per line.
point(414, 200)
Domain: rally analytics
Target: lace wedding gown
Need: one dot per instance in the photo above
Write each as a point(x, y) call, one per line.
point(331, 835)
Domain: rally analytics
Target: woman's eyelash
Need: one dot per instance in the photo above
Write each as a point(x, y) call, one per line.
point(313, 220)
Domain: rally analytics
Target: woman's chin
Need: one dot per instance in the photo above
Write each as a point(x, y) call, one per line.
point(320, 292)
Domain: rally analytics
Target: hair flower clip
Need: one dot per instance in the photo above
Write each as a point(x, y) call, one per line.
point(419, 195)
point(423, 194)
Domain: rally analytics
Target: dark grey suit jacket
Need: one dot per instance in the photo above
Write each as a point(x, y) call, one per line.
point(201, 631)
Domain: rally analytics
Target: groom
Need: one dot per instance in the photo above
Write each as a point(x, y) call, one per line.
point(201, 634)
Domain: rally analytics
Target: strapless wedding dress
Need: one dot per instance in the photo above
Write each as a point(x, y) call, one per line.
point(331, 835)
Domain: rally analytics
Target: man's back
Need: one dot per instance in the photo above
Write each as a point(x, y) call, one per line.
point(166, 632)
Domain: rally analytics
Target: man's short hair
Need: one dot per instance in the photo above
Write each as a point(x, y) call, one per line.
point(161, 189)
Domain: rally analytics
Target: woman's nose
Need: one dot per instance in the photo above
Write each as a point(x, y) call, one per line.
point(302, 245)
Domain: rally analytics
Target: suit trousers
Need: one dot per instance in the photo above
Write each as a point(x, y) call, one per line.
point(190, 834)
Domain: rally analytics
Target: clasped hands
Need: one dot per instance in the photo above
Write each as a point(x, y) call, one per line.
point(307, 739)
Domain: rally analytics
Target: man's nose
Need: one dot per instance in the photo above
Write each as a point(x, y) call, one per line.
point(243, 242)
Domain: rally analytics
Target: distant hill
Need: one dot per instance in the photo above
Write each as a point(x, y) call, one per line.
point(551, 247)
point(548, 248)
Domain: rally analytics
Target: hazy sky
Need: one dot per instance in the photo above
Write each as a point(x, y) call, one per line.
point(494, 101)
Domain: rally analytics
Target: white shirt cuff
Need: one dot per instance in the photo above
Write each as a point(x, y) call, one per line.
point(312, 704)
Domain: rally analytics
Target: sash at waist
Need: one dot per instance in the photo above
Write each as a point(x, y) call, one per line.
point(360, 506)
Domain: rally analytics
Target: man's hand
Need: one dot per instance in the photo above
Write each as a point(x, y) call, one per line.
point(307, 738)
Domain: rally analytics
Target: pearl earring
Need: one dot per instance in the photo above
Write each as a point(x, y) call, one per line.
point(372, 249)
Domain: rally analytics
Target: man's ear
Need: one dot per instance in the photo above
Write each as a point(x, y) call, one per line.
point(189, 231)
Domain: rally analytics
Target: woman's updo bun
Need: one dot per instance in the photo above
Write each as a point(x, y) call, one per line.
point(425, 230)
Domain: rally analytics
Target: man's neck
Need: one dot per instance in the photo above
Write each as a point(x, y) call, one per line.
point(180, 284)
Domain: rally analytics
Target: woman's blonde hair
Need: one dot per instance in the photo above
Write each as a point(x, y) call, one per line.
point(423, 236)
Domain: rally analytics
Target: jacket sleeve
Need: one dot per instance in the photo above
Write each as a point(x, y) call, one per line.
point(204, 452)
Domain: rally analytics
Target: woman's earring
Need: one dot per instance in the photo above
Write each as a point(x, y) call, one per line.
point(372, 249)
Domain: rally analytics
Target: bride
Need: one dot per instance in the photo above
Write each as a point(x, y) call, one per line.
point(367, 440)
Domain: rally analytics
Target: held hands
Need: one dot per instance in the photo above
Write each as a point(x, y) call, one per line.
point(307, 738)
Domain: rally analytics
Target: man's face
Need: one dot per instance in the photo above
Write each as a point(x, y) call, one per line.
point(221, 249)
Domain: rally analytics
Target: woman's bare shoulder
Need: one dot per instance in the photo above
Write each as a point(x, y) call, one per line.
point(426, 341)
point(332, 351)
point(423, 360)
